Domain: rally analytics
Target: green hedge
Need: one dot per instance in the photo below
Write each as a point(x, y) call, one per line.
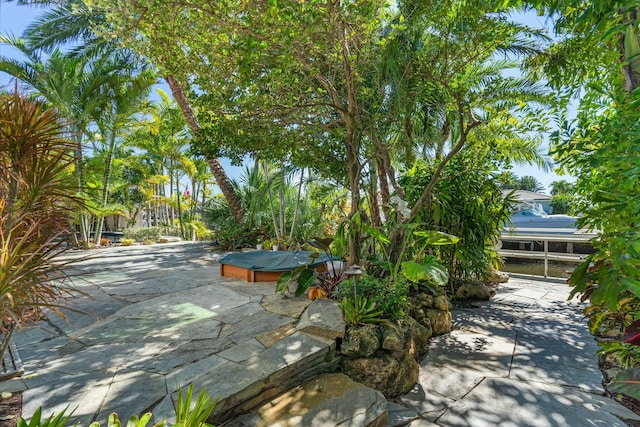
point(142, 234)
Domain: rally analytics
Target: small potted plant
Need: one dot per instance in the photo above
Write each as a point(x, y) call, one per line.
point(259, 245)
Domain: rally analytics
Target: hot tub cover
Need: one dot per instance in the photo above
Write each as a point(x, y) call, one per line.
point(265, 260)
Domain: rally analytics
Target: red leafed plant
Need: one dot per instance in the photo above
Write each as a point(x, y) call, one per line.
point(36, 200)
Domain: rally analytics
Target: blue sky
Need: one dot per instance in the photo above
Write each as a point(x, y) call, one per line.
point(14, 19)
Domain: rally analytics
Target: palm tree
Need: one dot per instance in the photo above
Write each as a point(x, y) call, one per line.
point(561, 187)
point(71, 21)
point(69, 84)
point(531, 183)
point(163, 138)
point(123, 97)
point(507, 180)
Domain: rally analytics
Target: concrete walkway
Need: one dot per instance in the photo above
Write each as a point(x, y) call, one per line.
point(162, 317)
point(525, 358)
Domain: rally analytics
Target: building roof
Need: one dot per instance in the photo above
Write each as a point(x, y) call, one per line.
point(525, 195)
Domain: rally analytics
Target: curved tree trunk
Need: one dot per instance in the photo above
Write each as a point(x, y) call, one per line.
point(216, 168)
point(384, 187)
point(353, 169)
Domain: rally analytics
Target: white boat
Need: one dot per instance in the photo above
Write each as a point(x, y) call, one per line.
point(530, 217)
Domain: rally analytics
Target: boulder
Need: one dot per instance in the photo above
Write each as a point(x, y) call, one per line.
point(327, 400)
point(440, 321)
point(441, 303)
point(497, 276)
point(392, 374)
point(416, 337)
point(419, 315)
point(360, 341)
point(393, 337)
point(423, 300)
point(476, 290)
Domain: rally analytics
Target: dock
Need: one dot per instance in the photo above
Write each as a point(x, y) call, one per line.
point(544, 237)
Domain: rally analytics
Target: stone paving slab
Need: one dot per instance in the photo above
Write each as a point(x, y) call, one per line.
point(525, 358)
point(164, 318)
point(327, 400)
point(513, 403)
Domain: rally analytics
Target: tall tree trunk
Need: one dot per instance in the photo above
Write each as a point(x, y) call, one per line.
point(105, 188)
point(629, 46)
point(283, 205)
point(384, 186)
point(216, 168)
point(83, 217)
point(376, 219)
point(295, 211)
point(273, 209)
point(353, 169)
point(179, 209)
point(425, 199)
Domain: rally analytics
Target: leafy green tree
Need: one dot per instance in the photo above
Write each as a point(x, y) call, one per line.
point(74, 22)
point(530, 183)
point(563, 197)
point(313, 92)
point(69, 84)
point(468, 204)
point(597, 54)
point(123, 97)
point(507, 180)
point(562, 187)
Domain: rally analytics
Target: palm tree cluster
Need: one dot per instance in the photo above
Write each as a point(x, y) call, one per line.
point(128, 150)
point(510, 181)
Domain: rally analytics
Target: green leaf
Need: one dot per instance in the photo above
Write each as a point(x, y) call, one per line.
point(430, 269)
point(305, 280)
point(627, 382)
point(283, 282)
point(632, 284)
point(438, 238)
point(375, 233)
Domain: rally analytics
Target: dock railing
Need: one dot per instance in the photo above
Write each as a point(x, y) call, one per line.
point(544, 236)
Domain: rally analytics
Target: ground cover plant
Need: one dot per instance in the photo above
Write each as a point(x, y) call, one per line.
point(189, 413)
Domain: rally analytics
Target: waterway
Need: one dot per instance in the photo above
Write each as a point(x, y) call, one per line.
point(556, 269)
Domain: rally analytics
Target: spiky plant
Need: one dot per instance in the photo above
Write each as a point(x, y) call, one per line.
point(36, 199)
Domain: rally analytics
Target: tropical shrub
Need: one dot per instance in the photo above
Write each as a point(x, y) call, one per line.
point(467, 203)
point(127, 242)
point(143, 233)
point(390, 299)
point(293, 213)
point(359, 310)
point(36, 202)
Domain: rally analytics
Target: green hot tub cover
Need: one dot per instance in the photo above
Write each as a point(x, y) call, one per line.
point(265, 260)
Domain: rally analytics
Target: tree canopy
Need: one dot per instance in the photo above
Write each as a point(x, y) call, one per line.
point(351, 90)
